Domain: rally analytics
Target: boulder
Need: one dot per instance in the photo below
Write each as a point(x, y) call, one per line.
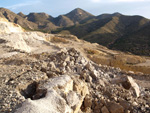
point(53, 102)
point(87, 101)
point(94, 74)
point(80, 87)
point(89, 66)
point(115, 107)
point(126, 105)
point(72, 98)
point(104, 110)
point(128, 83)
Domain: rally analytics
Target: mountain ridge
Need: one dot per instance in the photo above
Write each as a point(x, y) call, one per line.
point(105, 29)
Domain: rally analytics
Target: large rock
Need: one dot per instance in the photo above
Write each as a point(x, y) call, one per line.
point(60, 97)
point(104, 110)
point(53, 102)
point(87, 101)
point(115, 107)
point(80, 86)
point(127, 82)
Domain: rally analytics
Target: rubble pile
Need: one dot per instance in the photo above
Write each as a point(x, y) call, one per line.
point(67, 82)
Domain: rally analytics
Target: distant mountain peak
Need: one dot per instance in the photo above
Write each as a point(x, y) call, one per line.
point(77, 15)
point(21, 14)
point(116, 14)
point(79, 11)
point(4, 9)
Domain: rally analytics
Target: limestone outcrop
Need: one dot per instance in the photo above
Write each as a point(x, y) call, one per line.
point(8, 27)
point(59, 98)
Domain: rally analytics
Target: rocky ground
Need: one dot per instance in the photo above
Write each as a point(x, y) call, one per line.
point(77, 83)
point(45, 73)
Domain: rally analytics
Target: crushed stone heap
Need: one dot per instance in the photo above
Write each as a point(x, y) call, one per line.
point(67, 82)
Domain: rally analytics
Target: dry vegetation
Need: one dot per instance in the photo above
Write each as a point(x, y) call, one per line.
point(57, 39)
point(123, 61)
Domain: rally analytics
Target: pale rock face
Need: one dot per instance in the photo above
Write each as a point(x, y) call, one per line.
point(65, 83)
point(72, 98)
point(134, 86)
point(54, 101)
point(8, 27)
point(25, 41)
point(13, 36)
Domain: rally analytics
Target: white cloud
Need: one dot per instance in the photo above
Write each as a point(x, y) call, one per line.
point(109, 1)
point(22, 5)
point(131, 0)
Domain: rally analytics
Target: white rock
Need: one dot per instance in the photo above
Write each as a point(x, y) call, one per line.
point(94, 74)
point(134, 86)
point(89, 78)
point(8, 27)
point(128, 81)
point(73, 98)
point(52, 103)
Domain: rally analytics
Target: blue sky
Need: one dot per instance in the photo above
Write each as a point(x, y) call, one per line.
point(96, 7)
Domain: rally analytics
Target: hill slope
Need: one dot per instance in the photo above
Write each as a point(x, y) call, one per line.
point(106, 29)
point(53, 73)
point(77, 15)
point(111, 30)
point(12, 17)
point(137, 42)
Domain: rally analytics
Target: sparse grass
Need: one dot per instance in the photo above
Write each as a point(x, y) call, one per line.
point(68, 36)
point(57, 40)
point(118, 63)
point(91, 51)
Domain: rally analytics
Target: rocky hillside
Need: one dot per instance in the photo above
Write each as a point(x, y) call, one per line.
point(53, 73)
point(137, 42)
point(12, 17)
point(115, 31)
point(109, 30)
point(78, 15)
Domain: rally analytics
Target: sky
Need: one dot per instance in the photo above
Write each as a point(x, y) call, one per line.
point(95, 7)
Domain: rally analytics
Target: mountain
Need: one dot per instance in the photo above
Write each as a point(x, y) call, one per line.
point(78, 15)
point(103, 16)
point(43, 20)
point(39, 18)
point(21, 14)
point(63, 21)
point(115, 31)
point(108, 29)
point(12, 17)
point(137, 42)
